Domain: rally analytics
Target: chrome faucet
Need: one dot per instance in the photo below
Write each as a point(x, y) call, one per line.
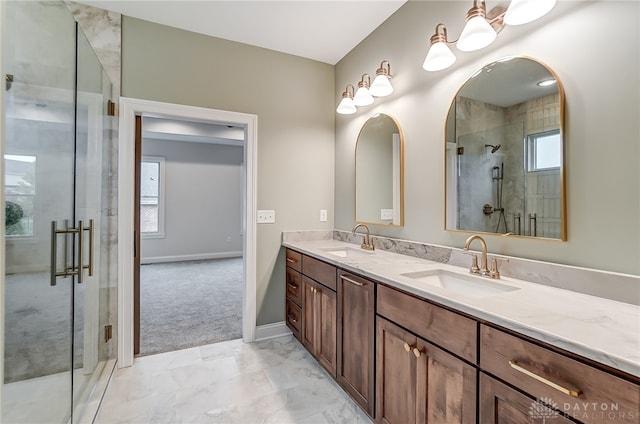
point(367, 243)
point(482, 270)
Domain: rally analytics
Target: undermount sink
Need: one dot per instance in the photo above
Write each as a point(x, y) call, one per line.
point(468, 285)
point(347, 252)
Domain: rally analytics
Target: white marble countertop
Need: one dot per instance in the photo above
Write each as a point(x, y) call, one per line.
point(603, 330)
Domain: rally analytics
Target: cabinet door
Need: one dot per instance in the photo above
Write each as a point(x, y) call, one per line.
point(396, 374)
point(309, 288)
point(325, 343)
point(500, 404)
point(319, 323)
point(446, 386)
point(356, 348)
point(419, 382)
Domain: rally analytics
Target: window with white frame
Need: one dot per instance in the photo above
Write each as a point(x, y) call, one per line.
point(152, 197)
point(544, 151)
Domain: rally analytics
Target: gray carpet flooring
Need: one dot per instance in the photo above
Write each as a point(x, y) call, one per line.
point(186, 304)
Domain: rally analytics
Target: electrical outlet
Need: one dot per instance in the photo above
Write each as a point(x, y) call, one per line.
point(266, 217)
point(323, 215)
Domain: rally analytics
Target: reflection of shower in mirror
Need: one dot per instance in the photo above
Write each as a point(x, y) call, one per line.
point(493, 148)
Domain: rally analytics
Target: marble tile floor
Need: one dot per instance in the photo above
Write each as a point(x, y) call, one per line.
point(269, 382)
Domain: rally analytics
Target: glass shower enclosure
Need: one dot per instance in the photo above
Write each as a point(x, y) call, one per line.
point(56, 143)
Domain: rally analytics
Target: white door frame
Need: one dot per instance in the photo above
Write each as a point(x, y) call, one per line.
point(129, 109)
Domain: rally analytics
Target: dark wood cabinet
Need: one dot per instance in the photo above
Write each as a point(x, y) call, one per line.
point(356, 339)
point(417, 382)
point(585, 393)
point(293, 290)
point(406, 359)
point(500, 404)
point(319, 322)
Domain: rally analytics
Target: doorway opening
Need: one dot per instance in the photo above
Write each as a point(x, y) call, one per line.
point(129, 252)
point(190, 191)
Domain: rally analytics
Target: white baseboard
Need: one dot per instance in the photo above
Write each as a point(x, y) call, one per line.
point(196, 257)
point(271, 331)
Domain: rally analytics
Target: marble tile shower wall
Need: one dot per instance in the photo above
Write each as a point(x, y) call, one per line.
point(609, 285)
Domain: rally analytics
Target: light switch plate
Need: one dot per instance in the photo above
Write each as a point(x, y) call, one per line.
point(323, 215)
point(386, 214)
point(266, 217)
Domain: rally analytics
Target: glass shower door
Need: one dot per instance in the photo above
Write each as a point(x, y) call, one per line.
point(39, 53)
point(56, 139)
point(92, 149)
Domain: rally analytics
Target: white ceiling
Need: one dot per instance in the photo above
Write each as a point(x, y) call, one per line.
point(322, 30)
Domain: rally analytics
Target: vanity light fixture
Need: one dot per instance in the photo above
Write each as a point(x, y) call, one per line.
point(381, 86)
point(367, 91)
point(363, 97)
point(439, 55)
point(477, 32)
point(346, 106)
point(481, 29)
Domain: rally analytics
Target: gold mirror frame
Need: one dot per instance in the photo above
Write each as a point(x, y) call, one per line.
point(516, 214)
point(379, 172)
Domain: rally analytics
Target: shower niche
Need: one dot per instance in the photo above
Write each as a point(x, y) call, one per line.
point(504, 160)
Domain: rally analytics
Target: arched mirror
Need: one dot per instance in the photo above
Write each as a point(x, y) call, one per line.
point(504, 162)
point(379, 172)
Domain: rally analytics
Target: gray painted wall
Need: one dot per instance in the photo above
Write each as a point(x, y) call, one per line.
point(601, 81)
point(295, 101)
point(203, 200)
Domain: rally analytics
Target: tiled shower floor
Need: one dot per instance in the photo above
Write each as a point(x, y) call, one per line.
point(273, 381)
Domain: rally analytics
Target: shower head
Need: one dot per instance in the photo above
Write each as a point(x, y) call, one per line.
point(493, 148)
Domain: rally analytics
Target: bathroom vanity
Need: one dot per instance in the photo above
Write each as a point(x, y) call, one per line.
point(418, 341)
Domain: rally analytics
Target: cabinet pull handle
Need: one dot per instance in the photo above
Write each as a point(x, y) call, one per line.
point(292, 285)
point(314, 290)
point(357, 283)
point(291, 261)
point(407, 347)
point(292, 319)
point(570, 392)
point(416, 352)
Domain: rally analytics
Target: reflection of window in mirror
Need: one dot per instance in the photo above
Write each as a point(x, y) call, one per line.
point(152, 197)
point(20, 193)
point(545, 151)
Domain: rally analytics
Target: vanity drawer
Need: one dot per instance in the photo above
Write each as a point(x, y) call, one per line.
point(452, 331)
point(596, 396)
point(294, 259)
point(320, 271)
point(294, 318)
point(294, 286)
